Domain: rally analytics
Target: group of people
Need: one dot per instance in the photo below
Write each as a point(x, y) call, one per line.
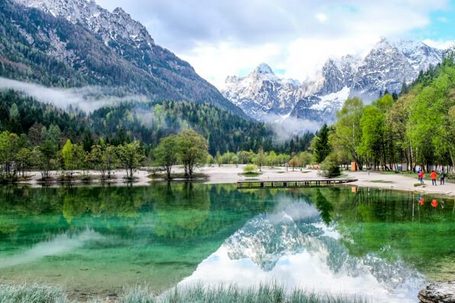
point(434, 177)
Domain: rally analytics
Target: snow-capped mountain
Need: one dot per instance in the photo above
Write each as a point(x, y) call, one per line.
point(115, 28)
point(389, 65)
point(385, 68)
point(262, 94)
point(77, 43)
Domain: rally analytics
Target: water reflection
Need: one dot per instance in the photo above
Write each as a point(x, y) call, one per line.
point(292, 246)
point(329, 239)
point(58, 245)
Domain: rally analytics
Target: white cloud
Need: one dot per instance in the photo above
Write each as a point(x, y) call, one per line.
point(229, 36)
point(321, 17)
point(441, 44)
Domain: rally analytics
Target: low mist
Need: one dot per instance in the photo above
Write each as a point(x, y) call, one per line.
point(87, 98)
point(287, 127)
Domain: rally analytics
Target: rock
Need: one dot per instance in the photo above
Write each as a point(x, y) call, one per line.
point(438, 292)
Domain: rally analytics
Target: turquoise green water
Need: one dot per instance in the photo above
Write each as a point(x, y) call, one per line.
point(95, 240)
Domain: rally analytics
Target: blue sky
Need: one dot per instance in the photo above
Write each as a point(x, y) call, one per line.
point(441, 27)
point(295, 37)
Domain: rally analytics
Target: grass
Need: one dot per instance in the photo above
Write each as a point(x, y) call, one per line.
point(176, 176)
point(197, 294)
point(233, 294)
point(381, 181)
point(251, 174)
point(26, 293)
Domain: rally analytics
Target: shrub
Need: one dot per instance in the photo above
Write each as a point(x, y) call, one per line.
point(330, 167)
point(250, 169)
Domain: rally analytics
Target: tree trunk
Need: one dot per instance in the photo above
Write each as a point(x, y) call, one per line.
point(168, 171)
point(186, 171)
point(190, 171)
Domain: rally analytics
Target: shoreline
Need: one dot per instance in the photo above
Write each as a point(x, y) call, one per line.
point(231, 174)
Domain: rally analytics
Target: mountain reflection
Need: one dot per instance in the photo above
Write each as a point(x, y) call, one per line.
point(294, 246)
point(327, 238)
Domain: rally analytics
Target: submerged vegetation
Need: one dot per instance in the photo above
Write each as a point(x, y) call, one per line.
point(196, 294)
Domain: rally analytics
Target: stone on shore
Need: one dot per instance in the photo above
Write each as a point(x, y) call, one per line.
point(440, 292)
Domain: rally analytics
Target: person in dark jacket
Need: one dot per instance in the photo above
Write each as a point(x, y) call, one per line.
point(442, 177)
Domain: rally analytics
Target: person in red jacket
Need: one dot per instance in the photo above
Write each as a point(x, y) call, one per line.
point(420, 176)
point(433, 177)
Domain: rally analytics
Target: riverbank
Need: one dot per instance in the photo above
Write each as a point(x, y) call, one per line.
point(232, 174)
point(200, 294)
point(229, 174)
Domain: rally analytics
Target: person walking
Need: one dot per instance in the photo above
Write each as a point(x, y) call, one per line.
point(433, 177)
point(420, 176)
point(442, 177)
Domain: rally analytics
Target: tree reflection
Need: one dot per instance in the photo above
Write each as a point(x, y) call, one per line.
point(324, 206)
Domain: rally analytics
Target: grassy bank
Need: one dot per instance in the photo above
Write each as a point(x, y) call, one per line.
point(232, 294)
point(26, 293)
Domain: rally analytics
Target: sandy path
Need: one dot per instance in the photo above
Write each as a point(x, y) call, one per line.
point(230, 174)
point(400, 182)
point(233, 174)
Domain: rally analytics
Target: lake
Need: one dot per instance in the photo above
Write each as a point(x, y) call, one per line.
point(96, 240)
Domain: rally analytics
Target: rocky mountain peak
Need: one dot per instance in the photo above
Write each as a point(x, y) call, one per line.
point(120, 11)
point(383, 43)
point(110, 26)
point(262, 94)
point(387, 66)
point(263, 69)
point(101, 48)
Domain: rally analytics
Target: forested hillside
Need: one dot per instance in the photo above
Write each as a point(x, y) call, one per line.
point(149, 122)
point(58, 51)
point(146, 122)
point(417, 128)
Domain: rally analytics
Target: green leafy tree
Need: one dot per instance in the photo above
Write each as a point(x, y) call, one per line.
point(24, 160)
point(271, 159)
point(130, 155)
point(305, 158)
point(166, 154)
point(398, 145)
point(294, 162)
point(73, 156)
point(110, 159)
point(218, 159)
point(9, 146)
point(372, 125)
point(95, 159)
point(192, 150)
point(49, 148)
point(245, 157)
point(260, 158)
point(347, 136)
point(68, 156)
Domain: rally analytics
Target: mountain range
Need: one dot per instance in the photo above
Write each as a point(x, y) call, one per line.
point(77, 43)
point(387, 67)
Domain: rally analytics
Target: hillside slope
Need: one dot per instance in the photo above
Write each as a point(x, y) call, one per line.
point(75, 43)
